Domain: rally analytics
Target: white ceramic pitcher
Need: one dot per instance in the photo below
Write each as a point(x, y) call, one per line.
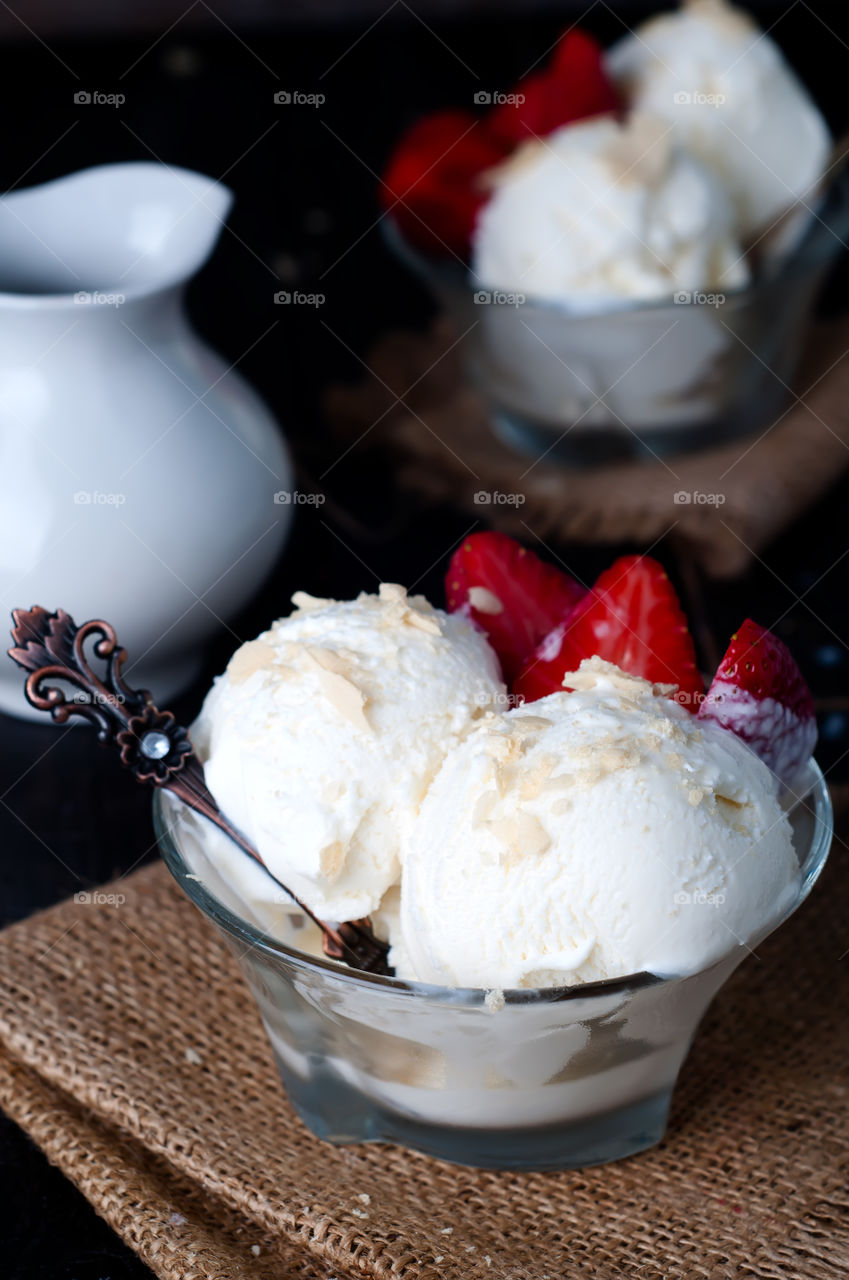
point(141, 480)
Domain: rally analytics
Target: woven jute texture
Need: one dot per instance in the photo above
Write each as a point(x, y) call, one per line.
point(133, 1055)
point(415, 404)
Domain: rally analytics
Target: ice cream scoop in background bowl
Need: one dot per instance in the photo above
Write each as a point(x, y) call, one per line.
point(638, 378)
point(639, 281)
point(525, 1078)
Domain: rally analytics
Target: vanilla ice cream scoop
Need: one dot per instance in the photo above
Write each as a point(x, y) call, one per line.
point(734, 102)
point(601, 212)
point(323, 735)
point(592, 835)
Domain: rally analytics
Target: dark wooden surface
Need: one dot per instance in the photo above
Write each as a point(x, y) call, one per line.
point(305, 195)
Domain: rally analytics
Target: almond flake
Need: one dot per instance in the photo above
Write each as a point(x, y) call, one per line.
point(504, 830)
point(345, 697)
point(305, 603)
point(253, 656)
point(422, 622)
point(531, 834)
point(523, 726)
point(391, 592)
point(521, 836)
point(331, 858)
point(331, 661)
point(483, 807)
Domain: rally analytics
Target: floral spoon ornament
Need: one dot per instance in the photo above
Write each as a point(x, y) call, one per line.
point(156, 750)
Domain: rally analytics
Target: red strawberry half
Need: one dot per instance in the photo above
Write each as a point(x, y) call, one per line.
point(573, 86)
point(760, 694)
point(510, 593)
point(431, 183)
point(630, 617)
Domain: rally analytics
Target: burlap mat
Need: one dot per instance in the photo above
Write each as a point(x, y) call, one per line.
point(133, 1055)
point(415, 404)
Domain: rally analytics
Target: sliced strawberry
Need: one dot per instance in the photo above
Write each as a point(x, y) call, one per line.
point(630, 617)
point(760, 694)
point(510, 593)
point(574, 86)
point(431, 183)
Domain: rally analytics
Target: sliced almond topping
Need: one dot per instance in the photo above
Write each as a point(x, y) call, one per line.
point(484, 805)
point(504, 830)
point(521, 835)
point(531, 834)
point(331, 858)
point(485, 601)
point(640, 151)
point(532, 780)
point(330, 660)
point(305, 603)
point(560, 782)
point(501, 748)
point(423, 623)
point(347, 699)
point(593, 671)
point(256, 655)
point(524, 726)
point(340, 692)
point(392, 591)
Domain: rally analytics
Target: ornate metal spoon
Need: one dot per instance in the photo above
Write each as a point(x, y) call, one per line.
point(156, 750)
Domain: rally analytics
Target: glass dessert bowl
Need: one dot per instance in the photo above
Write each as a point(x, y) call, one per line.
point(545, 1078)
point(631, 242)
point(639, 379)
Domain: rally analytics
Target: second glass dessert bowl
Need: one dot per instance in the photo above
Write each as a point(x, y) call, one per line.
point(545, 1078)
point(640, 379)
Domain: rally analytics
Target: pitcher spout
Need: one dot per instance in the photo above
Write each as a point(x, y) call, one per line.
point(118, 228)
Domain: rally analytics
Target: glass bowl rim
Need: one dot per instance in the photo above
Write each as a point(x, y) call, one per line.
point(246, 933)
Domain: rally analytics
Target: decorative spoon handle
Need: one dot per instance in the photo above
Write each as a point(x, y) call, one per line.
point(156, 750)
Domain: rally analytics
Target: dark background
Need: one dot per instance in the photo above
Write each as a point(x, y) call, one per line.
point(201, 95)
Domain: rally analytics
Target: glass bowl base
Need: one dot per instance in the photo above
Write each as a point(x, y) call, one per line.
point(337, 1112)
point(596, 446)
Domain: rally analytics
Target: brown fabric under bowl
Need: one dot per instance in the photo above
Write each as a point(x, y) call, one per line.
point(132, 1052)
